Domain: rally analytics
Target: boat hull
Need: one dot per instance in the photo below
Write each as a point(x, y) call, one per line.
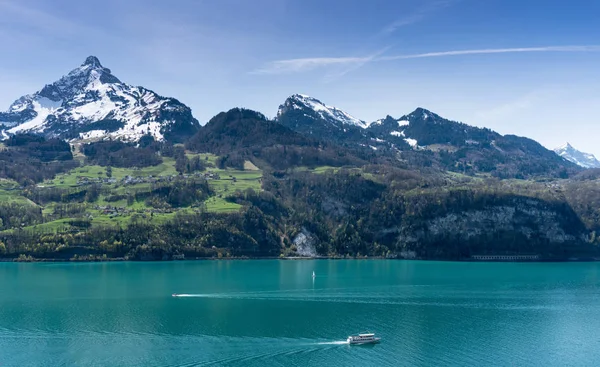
point(363, 342)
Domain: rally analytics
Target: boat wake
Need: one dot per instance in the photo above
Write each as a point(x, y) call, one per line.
point(184, 295)
point(340, 342)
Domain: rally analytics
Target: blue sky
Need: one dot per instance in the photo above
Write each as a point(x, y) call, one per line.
point(526, 67)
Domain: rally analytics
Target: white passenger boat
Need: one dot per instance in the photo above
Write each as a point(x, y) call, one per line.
point(363, 338)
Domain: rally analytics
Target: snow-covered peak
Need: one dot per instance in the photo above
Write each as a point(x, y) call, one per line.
point(330, 113)
point(92, 61)
point(86, 77)
point(564, 147)
point(90, 102)
point(582, 159)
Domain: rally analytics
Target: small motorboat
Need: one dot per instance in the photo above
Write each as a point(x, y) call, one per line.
point(175, 295)
point(363, 338)
point(314, 275)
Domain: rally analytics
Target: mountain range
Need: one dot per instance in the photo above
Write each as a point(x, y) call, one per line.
point(425, 138)
point(90, 104)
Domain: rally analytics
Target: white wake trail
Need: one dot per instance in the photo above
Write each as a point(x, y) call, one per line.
point(340, 342)
point(184, 295)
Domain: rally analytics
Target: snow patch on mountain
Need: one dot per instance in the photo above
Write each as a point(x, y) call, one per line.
point(43, 107)
point(92, 135)
point(411, 142)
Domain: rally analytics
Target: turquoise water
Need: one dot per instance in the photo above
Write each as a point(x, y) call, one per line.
point(271, 313)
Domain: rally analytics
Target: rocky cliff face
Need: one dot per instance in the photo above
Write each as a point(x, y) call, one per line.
point(305, 243)
point(516, 226)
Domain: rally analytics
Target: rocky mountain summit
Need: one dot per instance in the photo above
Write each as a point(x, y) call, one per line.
point(90, 103)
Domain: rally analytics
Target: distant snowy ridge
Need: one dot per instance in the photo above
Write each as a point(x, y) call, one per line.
point(308, 115)
point(580, 158)
point(332, 114)
point(91, 103)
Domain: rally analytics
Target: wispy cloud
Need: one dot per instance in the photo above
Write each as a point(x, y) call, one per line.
point(308, 64)
point(347, 68)
point(416, 16)
point(588, 48)
point(352, 63)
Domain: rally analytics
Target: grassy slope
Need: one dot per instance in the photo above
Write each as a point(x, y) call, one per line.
point(10, 193)
point(229, 182)
point(69, 179)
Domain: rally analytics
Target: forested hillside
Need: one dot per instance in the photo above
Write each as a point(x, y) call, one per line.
point(245, 185)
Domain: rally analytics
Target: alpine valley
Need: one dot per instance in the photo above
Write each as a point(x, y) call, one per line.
point(93, 169)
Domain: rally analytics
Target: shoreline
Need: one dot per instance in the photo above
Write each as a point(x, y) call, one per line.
point(292, 258)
